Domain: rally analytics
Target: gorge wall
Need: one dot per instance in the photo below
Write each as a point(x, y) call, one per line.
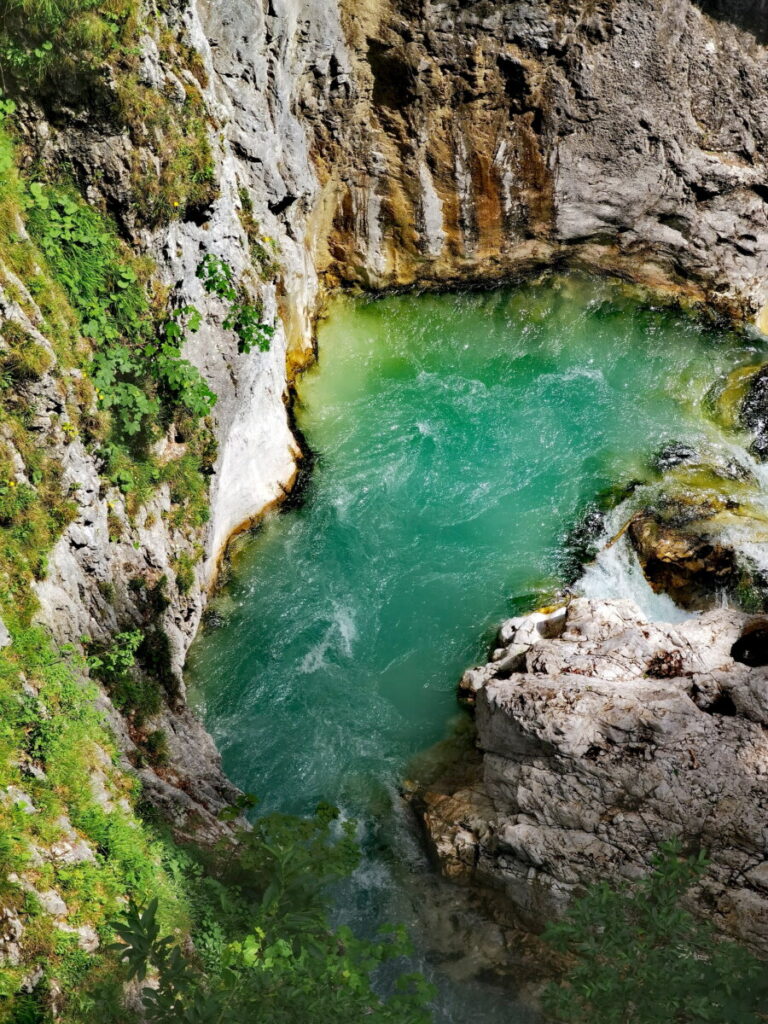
point(394, 143)
point(387, 144)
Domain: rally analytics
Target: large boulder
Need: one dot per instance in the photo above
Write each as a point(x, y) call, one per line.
point(604, 741)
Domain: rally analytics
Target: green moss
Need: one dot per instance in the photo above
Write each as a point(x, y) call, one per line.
point(32, 516)
point(265, 251)
point(156, 746)
point(184, 566)
point(57, 47)
point(22, 358)
point(176, 128)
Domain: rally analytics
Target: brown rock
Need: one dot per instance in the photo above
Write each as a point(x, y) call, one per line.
point(688, 566)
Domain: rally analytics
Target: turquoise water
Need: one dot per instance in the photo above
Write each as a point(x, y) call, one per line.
point(457, 438)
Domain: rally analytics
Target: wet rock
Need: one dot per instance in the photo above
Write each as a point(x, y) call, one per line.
point(673, 454)
point(752, 646)
point(590, 760)
point(580, 545)
point(687, 565)
point(754, 413)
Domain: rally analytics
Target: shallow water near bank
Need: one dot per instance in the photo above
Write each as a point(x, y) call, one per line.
point(458, 438)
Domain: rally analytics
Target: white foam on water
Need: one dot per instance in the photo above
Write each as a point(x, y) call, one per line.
point(616, 575)
point(340, 634)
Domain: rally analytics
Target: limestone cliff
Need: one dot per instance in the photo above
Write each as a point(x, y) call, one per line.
point(604, 735)
point(389, 143)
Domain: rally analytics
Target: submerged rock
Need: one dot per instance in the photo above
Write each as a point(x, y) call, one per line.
point(614, 735)
point(754, 413)
point(673, 454)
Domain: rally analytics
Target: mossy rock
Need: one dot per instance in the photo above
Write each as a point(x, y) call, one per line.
point(685, 563)
point(21, 357)
point(725, 399)
point(753, 415)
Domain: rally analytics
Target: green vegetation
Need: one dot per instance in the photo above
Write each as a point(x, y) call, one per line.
point(50, 43)
point(635, 956)
point(138, 369)
point(114, 665)
point(264, 250)
point(87, 53)
point(185, 571)
point(256, 907)
point(242, 931)
point(67, 827)
point(244, 318)
point(173, 127)
point(265, 949)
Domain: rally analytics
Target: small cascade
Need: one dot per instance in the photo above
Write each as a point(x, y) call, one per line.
point(616, 575)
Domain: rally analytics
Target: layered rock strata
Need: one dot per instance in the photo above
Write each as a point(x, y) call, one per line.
point(602, 736)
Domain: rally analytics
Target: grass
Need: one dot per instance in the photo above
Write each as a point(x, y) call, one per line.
point(53, 744)
point(265, 252)
point(177, 130)
point(60, 776)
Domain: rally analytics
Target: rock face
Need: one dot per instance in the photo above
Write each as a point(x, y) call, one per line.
point(479, 139)
point(388, 143)
point(600, 743)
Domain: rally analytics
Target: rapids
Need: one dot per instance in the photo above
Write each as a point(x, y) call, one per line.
point(458, 438)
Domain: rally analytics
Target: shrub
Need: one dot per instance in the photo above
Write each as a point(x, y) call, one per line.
point(635, 956)
point(243, 317)
point(50, 720)
point(185, 571)
point(266, 950)
point(136, 364)
point(156, 746)
point(114, 665)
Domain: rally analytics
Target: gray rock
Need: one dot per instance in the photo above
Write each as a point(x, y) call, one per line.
point(11, 932)
point(614, 737)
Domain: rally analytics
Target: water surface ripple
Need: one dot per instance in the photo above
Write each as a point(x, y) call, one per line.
point(457, 438)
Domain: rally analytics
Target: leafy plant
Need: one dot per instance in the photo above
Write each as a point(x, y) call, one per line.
point(54, 744)
point(114, 665)
point(636, 956)
point(137, 366)
point(267, 953)
point(244, 318)
point(112, 662)
point(68, 39)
